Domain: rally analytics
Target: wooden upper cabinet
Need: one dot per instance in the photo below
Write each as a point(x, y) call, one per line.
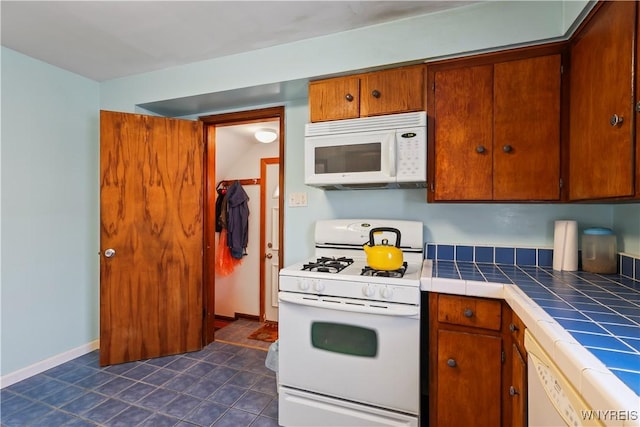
point(601, 145)
point(463, 133)
point(397, 90)
point(526, 146)
point(334, 99)
point(495, 129)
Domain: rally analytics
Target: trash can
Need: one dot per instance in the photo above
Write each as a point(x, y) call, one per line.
point(271, 361)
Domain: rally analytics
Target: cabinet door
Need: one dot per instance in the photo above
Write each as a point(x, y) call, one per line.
point(526, 148)
point(463, 114)
point(334, 99)
point(601, 152)
point(468, 379)
point(518, 389)
point(398, 90)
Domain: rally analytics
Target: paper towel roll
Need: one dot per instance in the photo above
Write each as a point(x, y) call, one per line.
point(565, 246)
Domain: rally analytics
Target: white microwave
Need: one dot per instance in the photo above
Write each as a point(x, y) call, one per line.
point(371, 152)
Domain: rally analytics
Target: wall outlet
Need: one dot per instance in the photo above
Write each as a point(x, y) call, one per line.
point(297, 200)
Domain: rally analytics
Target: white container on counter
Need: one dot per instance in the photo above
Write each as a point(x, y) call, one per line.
point(599, 251)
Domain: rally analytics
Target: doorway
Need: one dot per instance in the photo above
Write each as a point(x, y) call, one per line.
point(264, 188)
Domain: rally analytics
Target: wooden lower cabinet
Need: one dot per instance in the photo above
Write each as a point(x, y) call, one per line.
point(468, 391)
point(476, 371)
point(518, 388)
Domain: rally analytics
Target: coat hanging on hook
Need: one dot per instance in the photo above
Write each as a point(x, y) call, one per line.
point(237, 220)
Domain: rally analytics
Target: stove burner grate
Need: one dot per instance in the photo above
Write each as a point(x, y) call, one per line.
point(368, 271)
point(328, 264)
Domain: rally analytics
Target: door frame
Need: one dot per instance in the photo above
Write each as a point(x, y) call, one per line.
point(208, 268)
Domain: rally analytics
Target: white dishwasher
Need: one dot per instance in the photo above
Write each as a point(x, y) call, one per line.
point(553, 401)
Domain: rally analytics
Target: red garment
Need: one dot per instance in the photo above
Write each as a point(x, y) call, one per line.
point(225, 263)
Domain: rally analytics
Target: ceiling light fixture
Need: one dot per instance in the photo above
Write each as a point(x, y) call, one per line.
point(266, 135)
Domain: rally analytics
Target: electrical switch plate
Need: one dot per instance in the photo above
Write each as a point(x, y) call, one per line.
point(297, 199)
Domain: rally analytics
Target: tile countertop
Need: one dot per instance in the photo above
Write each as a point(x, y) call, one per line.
point(588, 323)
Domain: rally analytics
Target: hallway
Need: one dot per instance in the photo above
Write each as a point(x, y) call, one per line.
point(238, 331)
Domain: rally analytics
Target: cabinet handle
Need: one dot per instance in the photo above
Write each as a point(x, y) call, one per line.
point(616, 120)
point(468, 312)
point(348, 97)
point(507, 148)
point(376, 93)
point(480, 149)
point(513, 391)
point(513, 328)
point(451, 363)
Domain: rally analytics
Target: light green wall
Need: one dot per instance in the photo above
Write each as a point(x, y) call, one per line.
point(49, 267)
point(626, 225)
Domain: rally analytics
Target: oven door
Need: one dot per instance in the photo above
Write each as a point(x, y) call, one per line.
point(365, 352)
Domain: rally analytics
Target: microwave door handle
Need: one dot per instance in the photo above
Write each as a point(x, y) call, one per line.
point(391, 143)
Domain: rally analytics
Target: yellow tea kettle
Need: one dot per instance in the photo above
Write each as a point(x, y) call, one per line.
point(383, 256)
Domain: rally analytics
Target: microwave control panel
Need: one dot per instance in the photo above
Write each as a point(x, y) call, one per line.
point(411, 156)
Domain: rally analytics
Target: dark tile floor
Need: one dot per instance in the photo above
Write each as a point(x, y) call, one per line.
point(221, 385)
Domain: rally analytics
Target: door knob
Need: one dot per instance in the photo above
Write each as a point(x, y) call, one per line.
point(616, 120)
point(109, 253)
point(268, 256)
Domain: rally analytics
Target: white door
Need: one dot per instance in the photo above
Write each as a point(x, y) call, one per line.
point(271, 251)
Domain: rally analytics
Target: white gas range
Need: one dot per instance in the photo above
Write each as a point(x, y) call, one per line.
point(349, 336)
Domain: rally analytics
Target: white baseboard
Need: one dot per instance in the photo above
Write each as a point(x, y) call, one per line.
point(49, 363)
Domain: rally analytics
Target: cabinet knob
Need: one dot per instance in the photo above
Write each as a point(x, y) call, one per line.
point(513, 391)
point(451, 363)
point(480, 149)
point(376, 93)
point(468, 312)
point(507, 148)
point(616, 120)
point(348, 97)
point(513, 328)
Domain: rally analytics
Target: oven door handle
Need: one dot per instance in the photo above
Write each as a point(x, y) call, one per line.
point(342, 305)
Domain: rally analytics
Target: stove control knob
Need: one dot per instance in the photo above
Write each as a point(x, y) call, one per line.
point(386, 292)
point(303, 285)
point(368, 291)
point(318, 286)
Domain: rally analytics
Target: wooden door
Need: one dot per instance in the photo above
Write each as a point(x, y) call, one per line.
point(151, 216)
point(334, 99)
point(398, 90)
point(526, 148)
point(469, 380)
point(463, 114)
point(601, 162)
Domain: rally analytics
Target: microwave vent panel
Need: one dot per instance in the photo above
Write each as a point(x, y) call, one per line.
point(366, 124)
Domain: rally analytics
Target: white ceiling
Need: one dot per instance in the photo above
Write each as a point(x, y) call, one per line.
point(104, 40)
